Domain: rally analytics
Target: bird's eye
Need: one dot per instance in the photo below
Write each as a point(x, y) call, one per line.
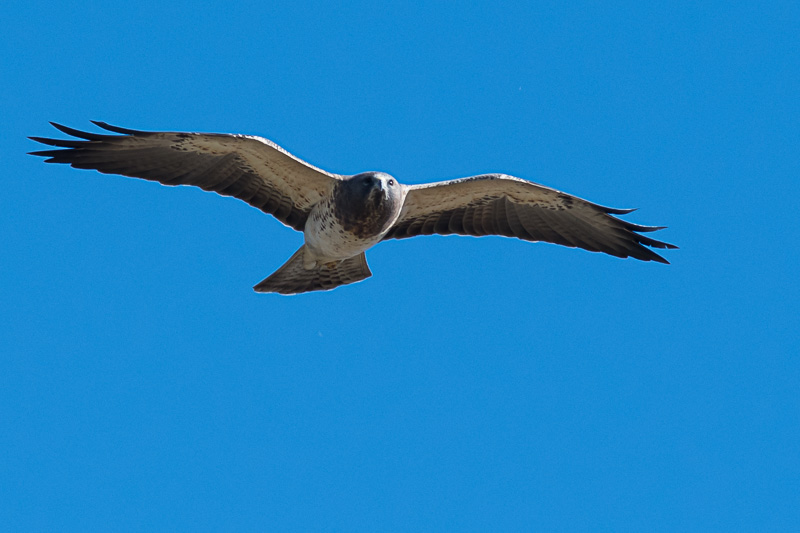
point(390, 182)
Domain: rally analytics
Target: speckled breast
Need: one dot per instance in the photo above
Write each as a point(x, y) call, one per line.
point(331, 234)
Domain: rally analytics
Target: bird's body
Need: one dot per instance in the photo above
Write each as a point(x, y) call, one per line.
point(343, 216)
point(355, 217)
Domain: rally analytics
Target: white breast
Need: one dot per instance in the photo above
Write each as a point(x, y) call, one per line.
point(328, 240)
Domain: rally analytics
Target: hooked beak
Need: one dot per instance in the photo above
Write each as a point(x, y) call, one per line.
point(384, 189)
point(377, 195)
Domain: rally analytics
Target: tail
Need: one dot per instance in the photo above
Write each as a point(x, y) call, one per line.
point(293, 278)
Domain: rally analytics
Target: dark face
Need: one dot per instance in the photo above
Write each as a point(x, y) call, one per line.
point(374, 187)
point(366, 202)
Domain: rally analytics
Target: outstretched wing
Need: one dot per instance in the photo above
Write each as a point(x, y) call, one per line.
point(250, 168)
point(496, 204)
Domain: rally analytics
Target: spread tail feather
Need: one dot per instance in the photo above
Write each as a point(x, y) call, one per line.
point(293, 278)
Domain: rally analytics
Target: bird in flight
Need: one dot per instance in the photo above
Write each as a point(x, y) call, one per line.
point(343, 216)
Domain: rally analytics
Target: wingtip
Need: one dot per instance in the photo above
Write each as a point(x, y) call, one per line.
point(61, 127)
point(116, 129)
point(642, 229)
point(615, 211)
point(45, 153)
point(77, 133)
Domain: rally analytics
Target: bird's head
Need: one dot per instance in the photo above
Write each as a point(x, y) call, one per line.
point(375, 187)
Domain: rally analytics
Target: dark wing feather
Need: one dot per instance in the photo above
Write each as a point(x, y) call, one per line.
point(496, 204)
point(252, 169)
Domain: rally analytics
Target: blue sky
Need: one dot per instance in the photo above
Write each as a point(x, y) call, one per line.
point(470, 384)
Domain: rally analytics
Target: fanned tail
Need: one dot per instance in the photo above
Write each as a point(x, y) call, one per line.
point(294, 278)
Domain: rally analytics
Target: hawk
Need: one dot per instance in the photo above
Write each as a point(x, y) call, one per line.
point(343, 216)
